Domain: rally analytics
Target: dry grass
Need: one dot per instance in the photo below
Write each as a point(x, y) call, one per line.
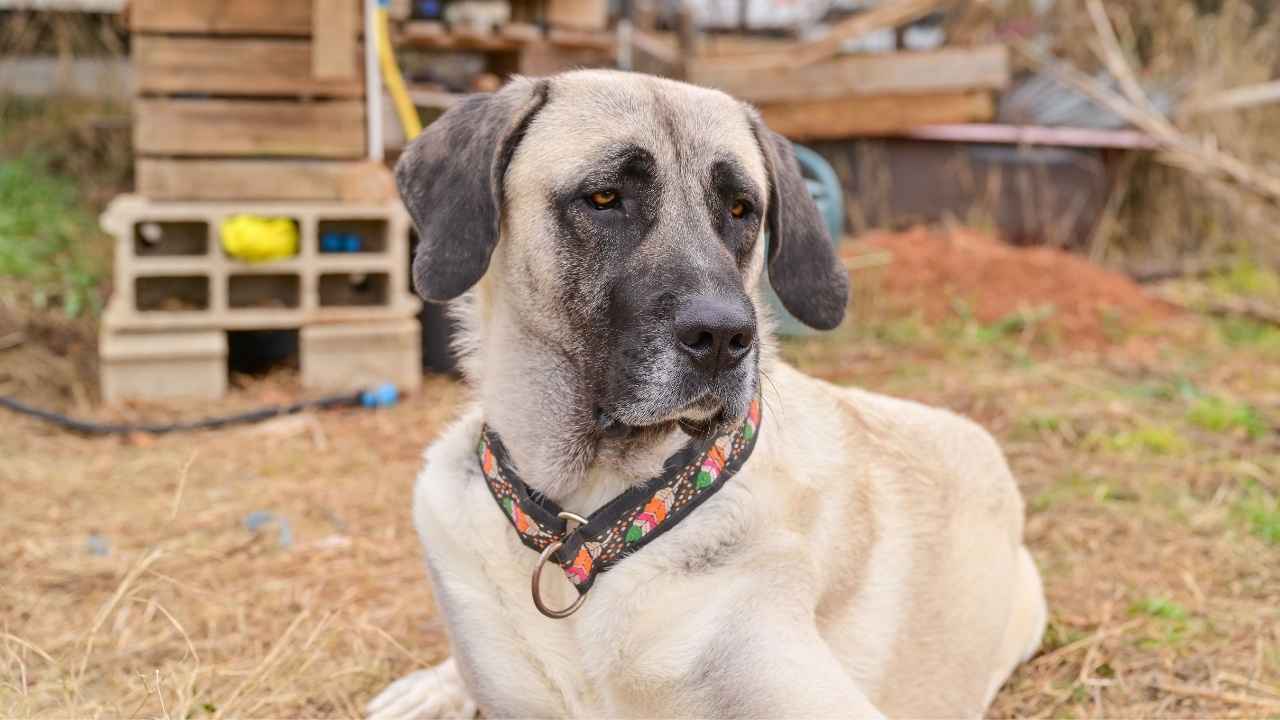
point(1150, 472)
point(190, 614)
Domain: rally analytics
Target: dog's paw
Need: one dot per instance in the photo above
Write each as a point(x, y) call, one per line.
point(434, 693)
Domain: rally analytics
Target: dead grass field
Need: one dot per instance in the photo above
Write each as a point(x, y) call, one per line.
point(132, 585)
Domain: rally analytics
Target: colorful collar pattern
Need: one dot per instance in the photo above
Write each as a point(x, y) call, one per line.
point(629, 521)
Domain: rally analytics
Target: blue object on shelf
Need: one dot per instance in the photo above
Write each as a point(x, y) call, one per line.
point(824, 187)
point(428, 9)
point(341, 242)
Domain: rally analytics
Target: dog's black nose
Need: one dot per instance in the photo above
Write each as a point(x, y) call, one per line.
point(715, 332)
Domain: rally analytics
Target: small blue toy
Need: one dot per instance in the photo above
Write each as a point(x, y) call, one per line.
point(340, 242)
point(384, 395)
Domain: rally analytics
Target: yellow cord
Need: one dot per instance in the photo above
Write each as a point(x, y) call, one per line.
point(409, 119)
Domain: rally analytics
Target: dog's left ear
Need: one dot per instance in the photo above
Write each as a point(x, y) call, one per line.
point(451, 180)
point(803, 268)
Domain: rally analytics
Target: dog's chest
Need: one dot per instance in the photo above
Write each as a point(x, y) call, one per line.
point(643, 622)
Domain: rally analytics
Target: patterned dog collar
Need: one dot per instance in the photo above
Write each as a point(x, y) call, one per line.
point(624, 524)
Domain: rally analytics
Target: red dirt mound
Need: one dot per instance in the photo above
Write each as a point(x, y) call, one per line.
point(936, 270)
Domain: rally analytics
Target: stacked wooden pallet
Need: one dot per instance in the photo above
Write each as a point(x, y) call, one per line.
point(860, 95)
point(247, 99)
point(256, 109)
point(811, 90)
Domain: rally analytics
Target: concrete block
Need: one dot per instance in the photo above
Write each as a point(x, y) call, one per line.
point(171, 272)
point(351, 356)
point(156, 366)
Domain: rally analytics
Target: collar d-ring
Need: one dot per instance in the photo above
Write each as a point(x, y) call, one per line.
point(537, 589)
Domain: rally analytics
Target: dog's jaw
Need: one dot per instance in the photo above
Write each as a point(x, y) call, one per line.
point(538, 401)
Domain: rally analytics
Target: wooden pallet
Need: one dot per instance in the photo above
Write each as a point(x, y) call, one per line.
point(241, 99)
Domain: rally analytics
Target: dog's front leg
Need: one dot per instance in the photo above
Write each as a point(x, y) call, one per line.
point(436, 692)
point(770, 664)
point(785, 671)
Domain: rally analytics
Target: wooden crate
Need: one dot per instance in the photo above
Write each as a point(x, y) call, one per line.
point(242, 99)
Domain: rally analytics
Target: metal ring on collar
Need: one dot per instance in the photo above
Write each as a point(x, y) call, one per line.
point(537, 591)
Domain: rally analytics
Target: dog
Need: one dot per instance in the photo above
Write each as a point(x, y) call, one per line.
point(602, 239)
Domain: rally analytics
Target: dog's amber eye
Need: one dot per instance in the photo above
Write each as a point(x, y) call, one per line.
point(739, 209)
point(604, 198)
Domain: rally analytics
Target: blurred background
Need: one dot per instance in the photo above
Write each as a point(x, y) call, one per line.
point(1059, 216)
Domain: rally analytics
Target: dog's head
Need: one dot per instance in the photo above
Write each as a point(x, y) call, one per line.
point(625, 219)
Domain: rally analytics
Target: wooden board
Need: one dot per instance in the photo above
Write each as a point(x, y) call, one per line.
point(235, 66)
point(235, 179)
point(333, 35)
point(578, 14)
point(265, 17)
point(543, 59)
point(216, 128)
point(874, 115)
point(956, 69)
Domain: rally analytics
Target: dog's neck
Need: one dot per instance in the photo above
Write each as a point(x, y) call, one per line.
point(534, 397)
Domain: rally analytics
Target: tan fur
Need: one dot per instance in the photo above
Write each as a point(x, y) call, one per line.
point(867, 560)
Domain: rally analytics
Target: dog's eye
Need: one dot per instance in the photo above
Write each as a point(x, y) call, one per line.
point(740, 209)
point(604, 199)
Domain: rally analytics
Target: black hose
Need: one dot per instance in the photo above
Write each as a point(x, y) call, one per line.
point(87, 427)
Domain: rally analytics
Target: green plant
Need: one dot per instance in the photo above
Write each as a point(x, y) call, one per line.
point(1220, 415)
point(1015, 323)
point(1159, 607)
point(1154, 439)
point(48, 239)
point(1260, 510)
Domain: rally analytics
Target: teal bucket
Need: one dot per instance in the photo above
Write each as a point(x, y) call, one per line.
point(824, 187)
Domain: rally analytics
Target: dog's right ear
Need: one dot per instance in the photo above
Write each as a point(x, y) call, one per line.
point(451, 180)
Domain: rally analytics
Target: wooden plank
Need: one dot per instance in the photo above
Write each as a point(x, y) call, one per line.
point(251, 179)
point(857, 116)
point(427, 34)
point(236, 66)
point(953, 69)
point(582, 39)
point(521, 32)
point(330, 129)
point(333, 35)
point(241, 17)
point(81, 6)
point(578, 14)
point(543, 59)
point(885, 15)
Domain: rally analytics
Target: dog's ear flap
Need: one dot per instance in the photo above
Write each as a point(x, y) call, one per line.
point(451, 180)
point(803, 268)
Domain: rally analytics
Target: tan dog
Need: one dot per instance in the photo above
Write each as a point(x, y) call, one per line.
point(604, 234)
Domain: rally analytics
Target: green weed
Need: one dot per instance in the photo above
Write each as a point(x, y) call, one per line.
point(1159, 607)
point(1221, 415)
point(48, 238)
point(1248, 278)
point(1243, 331)
point(1260, 510)
point(1014, 324)
point(1153, 439)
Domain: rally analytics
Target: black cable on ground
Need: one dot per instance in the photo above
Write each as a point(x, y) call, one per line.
point(87, 427)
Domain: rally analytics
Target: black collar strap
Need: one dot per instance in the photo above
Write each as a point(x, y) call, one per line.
point(629, 521)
